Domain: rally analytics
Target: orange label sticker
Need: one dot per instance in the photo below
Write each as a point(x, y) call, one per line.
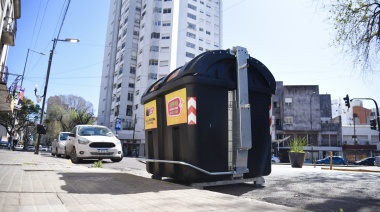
point(150, 115)
point(176, 107)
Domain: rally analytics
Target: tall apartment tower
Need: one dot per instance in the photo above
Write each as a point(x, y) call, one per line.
point(146, 40)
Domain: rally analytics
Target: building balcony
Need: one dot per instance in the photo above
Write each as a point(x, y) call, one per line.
point(8, 37)
point(5, 97)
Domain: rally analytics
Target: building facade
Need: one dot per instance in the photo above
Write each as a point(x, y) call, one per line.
point(10, 11)
point(146, 40)
point(301, 112)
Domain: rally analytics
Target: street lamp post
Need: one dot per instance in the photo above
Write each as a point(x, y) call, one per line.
point(22, 80)
point(55, 40)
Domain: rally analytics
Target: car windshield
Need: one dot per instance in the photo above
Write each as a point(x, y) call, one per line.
point(63, 136)
point(94, 131)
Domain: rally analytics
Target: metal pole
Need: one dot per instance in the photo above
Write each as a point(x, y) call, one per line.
point(45, 92)
point(134, 129)
point(26, 60)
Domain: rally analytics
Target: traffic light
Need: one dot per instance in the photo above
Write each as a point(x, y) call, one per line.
point(372, 123)
point(347, 101)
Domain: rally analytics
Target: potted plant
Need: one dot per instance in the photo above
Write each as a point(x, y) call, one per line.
point(296, 153)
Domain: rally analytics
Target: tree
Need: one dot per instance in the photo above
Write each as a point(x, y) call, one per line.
point(66, 111)
point(357, 25)
point(23, 119)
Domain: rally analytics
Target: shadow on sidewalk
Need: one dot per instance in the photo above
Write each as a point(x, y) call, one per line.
point(113, 183)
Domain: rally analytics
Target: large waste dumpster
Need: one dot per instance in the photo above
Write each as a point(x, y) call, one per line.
point(210, 119)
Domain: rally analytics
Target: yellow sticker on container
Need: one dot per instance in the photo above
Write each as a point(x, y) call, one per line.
point(176, 107)
point(150, 115)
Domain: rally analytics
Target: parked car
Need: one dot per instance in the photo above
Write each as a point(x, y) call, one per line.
point(370, 161)
point(19, 147)
point(59, 144)
point(377, 161)
point(275, 159)
point(30, 148)
point(43, 148)
point(335, 160)
point(93, 142)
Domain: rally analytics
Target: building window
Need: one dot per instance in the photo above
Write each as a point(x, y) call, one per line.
point(138, 78)
point(131, 85)
point(201, 29)
point(153, 62)
point(201, 48)
point(141, 38)
point(132, 70)
point(165, 24)
point(165, 37)
point(137, 92)
point(154, 48)
point(192, 16)
point(191, 6)
point(152, 76)
point(288, 120)
point(191, 55)
point(207, 32)
point(155, 35)
point(278, 122)
point(129, 110)
point(164, 63)
point(119, 85)
point(288, 101)
point(190, 35)
point(130, 96)
point(191, 45)
point(167, 10)
point(191, 26)
point(157, 10)
point(136, 107)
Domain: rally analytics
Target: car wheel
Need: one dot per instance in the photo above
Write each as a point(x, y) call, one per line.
point(73, 156)
point(56, 151)
point(66, 156)
point(53, 154)
point(117, 159)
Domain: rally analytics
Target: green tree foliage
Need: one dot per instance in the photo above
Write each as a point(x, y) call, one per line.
point(357, 25)
point(25, 117)
point(66, 111)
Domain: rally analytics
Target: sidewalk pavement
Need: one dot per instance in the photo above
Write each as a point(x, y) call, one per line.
point(30, 182)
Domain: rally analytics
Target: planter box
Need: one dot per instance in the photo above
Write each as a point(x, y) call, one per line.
point(296, 159)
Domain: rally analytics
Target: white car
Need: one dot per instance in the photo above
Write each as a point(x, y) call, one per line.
point(275, 159)
point(93, 142)
point(59, 145)
point(19, 147)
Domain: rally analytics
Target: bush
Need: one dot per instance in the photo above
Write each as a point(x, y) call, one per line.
point(98, 164)
point(297, 144)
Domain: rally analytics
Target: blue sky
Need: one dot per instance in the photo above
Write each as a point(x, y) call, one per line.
point(290, 37)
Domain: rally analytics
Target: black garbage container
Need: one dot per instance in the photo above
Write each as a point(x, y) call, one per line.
point(189, 117)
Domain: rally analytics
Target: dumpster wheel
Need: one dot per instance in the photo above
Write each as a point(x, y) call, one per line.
point(156, 177)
